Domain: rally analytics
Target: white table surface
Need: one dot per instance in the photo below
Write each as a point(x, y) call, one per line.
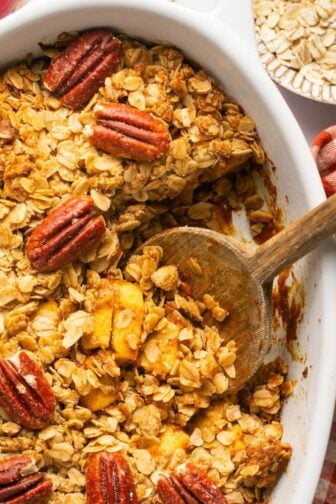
point(312, 116)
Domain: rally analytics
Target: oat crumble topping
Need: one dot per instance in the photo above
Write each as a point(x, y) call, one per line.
point(154, 391)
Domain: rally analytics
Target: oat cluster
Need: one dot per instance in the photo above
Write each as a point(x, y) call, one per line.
point(302, 35)
point(155, 394)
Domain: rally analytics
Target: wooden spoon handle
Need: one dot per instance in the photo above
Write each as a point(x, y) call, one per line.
point(294, 242)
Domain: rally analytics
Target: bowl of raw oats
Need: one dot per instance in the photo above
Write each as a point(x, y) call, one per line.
point(118, 121)
point(297, 45)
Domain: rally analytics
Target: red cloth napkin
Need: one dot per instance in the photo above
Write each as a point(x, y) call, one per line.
point(324, 151)
point(6, 7)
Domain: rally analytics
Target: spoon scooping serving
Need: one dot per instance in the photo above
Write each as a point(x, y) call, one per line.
point(241, 279)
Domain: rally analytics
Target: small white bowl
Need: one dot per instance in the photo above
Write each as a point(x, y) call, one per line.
point(292, 79)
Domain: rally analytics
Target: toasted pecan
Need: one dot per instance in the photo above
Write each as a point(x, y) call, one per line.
point(67, 232)
point(25, 394)
point(20, 483)
point(109, 480)
point(127, 132)
point(189, 485)
point(78, 72)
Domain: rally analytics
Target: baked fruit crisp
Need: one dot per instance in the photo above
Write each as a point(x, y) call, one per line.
point(112, 379)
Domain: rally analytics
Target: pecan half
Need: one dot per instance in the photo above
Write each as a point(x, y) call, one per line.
point(67, 232)
point(79, 71)
point(109, 480)
point(20, 483)
point(25, 394)
point(126, 132)
point(189, 485)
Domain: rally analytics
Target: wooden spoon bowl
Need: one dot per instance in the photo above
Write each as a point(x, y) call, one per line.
point(241, 279)
point(226, 276)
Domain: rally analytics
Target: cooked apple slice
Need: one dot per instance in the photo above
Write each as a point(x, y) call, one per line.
point(172, 439)
point(101, 335)
point(128, 316)
point(98, 400)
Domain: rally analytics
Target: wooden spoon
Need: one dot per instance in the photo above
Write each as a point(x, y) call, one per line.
point(241, 279)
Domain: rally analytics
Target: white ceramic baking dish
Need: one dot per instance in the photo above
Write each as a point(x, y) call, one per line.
point(209, 39)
